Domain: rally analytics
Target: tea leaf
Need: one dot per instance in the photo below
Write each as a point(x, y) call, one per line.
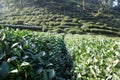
point(4, 68)
point(25, 64)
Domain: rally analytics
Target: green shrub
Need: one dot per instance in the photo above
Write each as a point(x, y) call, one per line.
point(52, 23)
point(13, 22)
point(31, 23)
point(43, 23)
point(86, 25)
point(59, 19)
point(8, 21)
point(99, 23)
point(71, 24)
point(44, 28)
point(21, 22)
point(62, 26)
point(13, 18)
point(37, 23)
point(66, 29)
point(66, 17)
point(33, 56)
point(72, 31)
point(74, 20)
point(94, 58)
point(51, 19)
point(58, 30)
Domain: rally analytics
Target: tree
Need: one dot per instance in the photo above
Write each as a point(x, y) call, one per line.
point(22, 4)
point(118, 1)
point(83, 4)
point(7, 4)
point(105, 5)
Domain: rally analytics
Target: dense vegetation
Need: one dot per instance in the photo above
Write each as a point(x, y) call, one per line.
point(71, 16)
point(94, 58)
point(33, 56)
point(44, 56)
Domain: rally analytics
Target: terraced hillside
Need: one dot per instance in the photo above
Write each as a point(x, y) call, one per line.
point(52, 18)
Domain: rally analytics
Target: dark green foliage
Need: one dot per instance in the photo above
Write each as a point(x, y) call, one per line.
point(19, 22)
point(33, 56)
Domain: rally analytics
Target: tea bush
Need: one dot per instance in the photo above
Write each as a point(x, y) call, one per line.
point(33, 56)
point(94, 58)
point(44, 56)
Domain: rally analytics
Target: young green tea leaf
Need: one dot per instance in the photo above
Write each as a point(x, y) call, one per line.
point(14, 71)
point(25, 64)
point(14, 45)
point(12, 59)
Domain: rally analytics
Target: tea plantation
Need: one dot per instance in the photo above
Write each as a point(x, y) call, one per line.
point(27, 55)
point(73, 22)
point(94, 58)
